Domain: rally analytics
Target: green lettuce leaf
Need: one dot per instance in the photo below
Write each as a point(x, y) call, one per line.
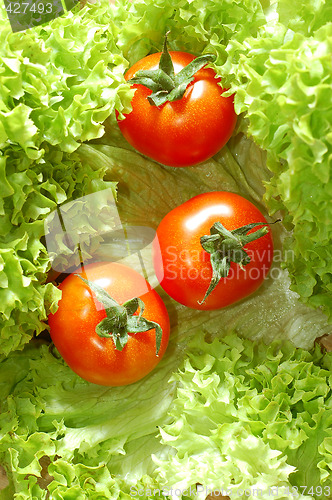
point(251, 420)
point(230, 400)
point(60, 82)
point(31, 191)
point(79, 426)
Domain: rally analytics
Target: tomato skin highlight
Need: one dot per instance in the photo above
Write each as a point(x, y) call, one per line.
point(183, 267)
point(96, 359)
point(184, 132)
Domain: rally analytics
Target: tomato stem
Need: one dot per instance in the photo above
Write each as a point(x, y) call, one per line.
point(167, 86)
point(226, 247)
point(121, 319)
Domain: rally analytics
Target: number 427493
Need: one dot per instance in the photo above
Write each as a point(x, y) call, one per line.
point(24, 7)
point(308, 490)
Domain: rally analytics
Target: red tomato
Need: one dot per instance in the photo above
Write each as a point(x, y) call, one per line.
point(95, 358)
point(184, 132)
point(183, 267)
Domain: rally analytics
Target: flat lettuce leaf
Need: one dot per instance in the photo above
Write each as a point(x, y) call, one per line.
point(278, 64)
point(251, 420)
point(60, 82)
point(273, 311)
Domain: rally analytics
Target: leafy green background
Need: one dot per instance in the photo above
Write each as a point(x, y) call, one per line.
point(60, 85)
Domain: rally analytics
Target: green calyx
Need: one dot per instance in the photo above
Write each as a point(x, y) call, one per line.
point(226, 247)
point(165, 85)
point(120, 319)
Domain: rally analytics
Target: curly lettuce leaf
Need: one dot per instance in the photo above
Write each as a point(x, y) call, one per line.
point(294, 128)
point(250, 417)
point(60, 82)
point(79, 426)
point(31, 190)
point(229, 400)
